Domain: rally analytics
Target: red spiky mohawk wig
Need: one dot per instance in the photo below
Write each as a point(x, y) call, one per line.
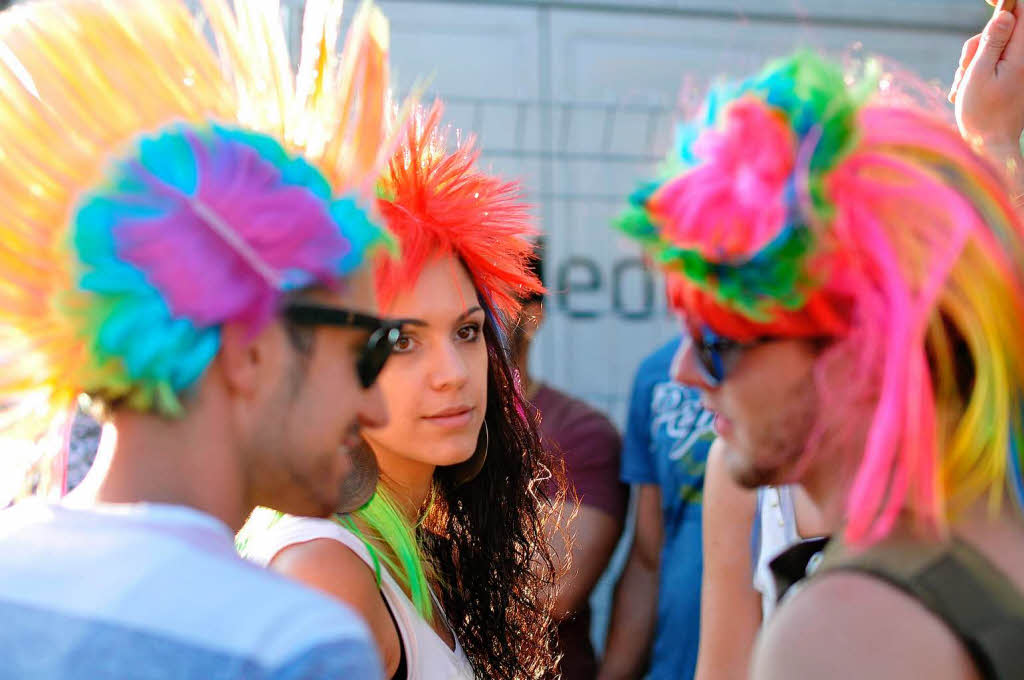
point(436, 202)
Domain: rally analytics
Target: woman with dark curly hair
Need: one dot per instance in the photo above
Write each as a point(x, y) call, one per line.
point(448, 561)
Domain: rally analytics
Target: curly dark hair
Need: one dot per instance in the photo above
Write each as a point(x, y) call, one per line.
point(486, 538)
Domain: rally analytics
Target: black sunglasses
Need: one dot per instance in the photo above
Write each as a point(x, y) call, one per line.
point(384, 333)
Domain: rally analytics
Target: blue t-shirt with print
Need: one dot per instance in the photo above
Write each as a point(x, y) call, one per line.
point(668, 435)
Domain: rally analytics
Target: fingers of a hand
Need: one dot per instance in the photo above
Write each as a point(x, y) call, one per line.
point(1014, 51)
point(993, 41)
point(956, 85)
point(970, 49)
point(966, 57)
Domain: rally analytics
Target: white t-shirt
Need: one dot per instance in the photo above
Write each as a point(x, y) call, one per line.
point(427, 655)
point(154, 592)
point(777, 531)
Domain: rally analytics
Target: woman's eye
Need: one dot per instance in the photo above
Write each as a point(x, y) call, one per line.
point(404, 344)
point(468, 333)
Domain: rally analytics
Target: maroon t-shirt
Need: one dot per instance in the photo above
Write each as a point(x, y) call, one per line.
point(591, 447)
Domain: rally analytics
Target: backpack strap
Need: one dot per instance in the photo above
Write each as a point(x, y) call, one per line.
point(956, 583)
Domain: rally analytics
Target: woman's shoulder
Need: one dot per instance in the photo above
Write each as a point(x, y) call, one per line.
point(329, 557)
point(335, 568)
point(329, 564)
point(266, 534)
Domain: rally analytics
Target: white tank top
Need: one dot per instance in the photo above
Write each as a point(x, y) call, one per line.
point(427, 656)
point(777, 532)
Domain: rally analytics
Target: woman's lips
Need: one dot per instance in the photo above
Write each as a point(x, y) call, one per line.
point(452, 418)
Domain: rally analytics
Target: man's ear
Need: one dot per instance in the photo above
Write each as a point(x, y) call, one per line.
point(246, 360)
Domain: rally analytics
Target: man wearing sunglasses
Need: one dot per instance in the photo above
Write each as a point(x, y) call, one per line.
point(706, 359)
point(852, 282)
point(273, 421)
point(203, 288)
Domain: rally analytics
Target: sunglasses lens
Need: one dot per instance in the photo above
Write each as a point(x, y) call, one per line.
point(708, 358)
point(709, 362)
point(375, 355)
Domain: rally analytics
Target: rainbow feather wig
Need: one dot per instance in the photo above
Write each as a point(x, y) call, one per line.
point(800, 206)
point(155, 188)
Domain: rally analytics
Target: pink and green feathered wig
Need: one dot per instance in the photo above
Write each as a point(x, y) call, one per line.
point(799, 206)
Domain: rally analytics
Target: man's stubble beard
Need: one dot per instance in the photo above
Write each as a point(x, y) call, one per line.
point(780, 446)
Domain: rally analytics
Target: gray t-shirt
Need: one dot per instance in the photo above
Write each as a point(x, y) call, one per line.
point(154, 592)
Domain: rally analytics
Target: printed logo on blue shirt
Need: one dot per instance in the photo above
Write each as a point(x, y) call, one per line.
point(682, 431)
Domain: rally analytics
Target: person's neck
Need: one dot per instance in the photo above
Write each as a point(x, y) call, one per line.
point(409, 482)
point(827, 486)
point(176, 462)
